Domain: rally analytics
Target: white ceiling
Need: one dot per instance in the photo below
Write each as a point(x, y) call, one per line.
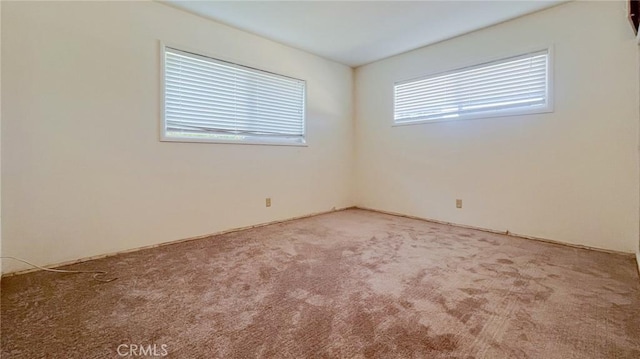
point(359, 32)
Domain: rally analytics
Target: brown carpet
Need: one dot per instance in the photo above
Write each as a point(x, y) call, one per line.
point(350, 284)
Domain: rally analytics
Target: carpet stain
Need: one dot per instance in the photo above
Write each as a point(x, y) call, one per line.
point(504, 261)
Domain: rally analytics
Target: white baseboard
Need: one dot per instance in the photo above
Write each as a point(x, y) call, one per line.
point(508, 233)
point(100, 256)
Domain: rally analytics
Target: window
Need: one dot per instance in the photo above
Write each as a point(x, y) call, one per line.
point(210, 100)
point(514, 86)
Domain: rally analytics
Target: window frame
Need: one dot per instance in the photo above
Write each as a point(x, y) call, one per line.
point(549, 108)
point(250, 139)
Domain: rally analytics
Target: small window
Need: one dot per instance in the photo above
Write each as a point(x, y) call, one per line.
point(514, 86)
point(210, 100)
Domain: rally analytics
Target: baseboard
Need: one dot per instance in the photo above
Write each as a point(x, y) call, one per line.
point(508, 233)
point(86, 259)
point(638, 262)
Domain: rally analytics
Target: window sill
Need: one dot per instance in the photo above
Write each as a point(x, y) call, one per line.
point(496, 114)
point(294, 143)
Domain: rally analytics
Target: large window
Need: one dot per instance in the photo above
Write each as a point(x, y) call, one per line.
point(512, 86)
point(210, 100)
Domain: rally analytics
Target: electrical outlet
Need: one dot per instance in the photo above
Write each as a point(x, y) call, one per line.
point(267, 202)
point(458, 203)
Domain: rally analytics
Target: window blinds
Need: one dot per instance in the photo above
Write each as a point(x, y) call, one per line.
point(206, 98)
point(518, 84)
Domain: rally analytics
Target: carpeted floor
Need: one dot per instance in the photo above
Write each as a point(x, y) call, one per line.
point(350, 284)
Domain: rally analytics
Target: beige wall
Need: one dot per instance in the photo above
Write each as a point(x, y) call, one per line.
point(83, 171)
point(570, 176)
point(0, 135)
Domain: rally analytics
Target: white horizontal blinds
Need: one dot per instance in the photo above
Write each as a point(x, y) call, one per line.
point(209, 98)
point(516, 83)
